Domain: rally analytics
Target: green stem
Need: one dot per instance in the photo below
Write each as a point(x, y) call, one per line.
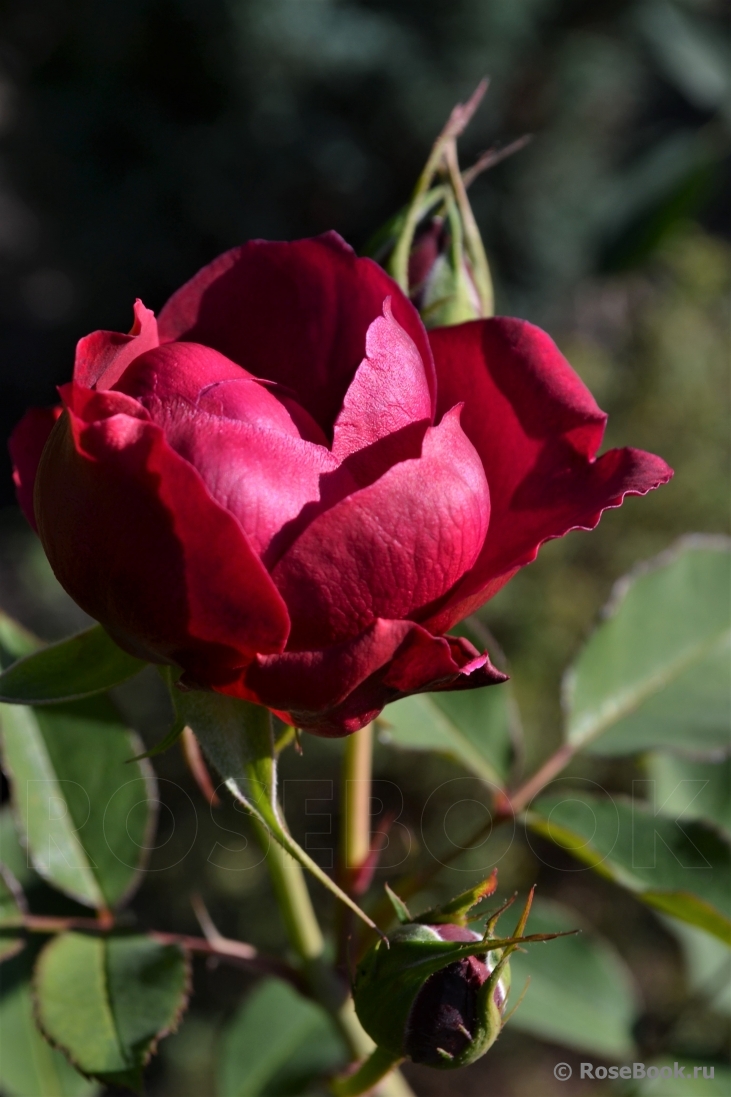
point(357, 772)
point(376, 1066)
point(306, 940)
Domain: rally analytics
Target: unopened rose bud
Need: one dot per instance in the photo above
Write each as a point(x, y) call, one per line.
point(433, 247)
point(443, 1018)
point(436, 992)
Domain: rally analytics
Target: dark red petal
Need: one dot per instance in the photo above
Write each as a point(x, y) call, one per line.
point(103, 356)
point(26, 446)
point(390, 549)
point(296, 313)
point(135, 538)
point(335, 691)
point(265, 478)
point(90, 405)
point(537, 429)
point(389, 390)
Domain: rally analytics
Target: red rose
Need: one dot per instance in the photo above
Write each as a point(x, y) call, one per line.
point(290, 490)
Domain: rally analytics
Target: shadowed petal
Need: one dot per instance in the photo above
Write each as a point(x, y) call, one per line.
point(335, 691)
point(26, 446)
point(163, 567)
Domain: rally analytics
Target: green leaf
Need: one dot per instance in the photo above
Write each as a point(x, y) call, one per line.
point(276, 1045)
point(474, 727)
point(83, 812)
point(12, 909)
point(107, 1001)
point(657, 673)
point(238, 739)
point(29, 1066)
point(80, 666)
point(689, 1086)
point(707, 964)
point(682, 869)
point(12, 854)
point(15, 640)
point(695, 790)
point(581, 993)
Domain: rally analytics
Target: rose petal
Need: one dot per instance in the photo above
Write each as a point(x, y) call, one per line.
point(162, 566)
point(390, 549)
point(26, 445)
point(296, 313)
point(103, 356)
point(335, 691)
point(266, 478)
point(537, 429)
point(389, 390)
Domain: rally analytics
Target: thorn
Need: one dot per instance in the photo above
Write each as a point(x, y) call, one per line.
point(444, 1054)
point(194, 760)
point(465, 1032)
point(208, 929)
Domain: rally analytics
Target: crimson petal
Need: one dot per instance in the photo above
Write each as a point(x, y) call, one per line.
point(537, 429)
point(296, 313)
point(103, 356)
point(390, 549)
point(335, 691)
point(202, 598)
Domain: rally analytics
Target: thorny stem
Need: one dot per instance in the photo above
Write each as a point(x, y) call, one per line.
point(222, 948)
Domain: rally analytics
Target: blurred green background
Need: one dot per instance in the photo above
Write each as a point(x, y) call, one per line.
point(140, 138)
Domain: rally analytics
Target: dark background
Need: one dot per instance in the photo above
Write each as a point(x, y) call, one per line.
point(139, 138)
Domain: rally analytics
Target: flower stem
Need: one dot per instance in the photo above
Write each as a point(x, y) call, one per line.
point(357, 772)
point(306, 940)
point(376, 1066)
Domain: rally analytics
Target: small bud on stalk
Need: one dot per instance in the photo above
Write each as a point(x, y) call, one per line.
point(433, 247)
point(435, 992)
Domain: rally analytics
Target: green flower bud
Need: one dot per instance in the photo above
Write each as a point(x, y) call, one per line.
point(435, 991)
point(436, 995)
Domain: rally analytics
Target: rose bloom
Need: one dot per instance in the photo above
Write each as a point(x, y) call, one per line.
point(288, 488)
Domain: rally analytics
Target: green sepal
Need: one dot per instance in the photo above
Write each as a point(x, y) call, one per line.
point(238, 738)
point(457, 909)
point(460, 286)
point(399, 906)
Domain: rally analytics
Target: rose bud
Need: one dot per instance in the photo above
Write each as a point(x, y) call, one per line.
point(436, 992)
point(289, 489)
point(429, 1003)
